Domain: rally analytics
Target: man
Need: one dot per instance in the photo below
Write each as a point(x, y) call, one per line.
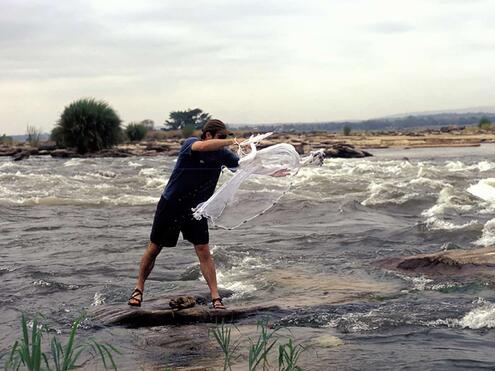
point(193, 181)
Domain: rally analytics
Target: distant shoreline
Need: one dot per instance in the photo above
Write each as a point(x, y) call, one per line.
point(168, 143)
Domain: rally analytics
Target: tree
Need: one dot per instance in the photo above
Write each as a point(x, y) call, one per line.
point(33, 136)
point(485, 123)
point(148, 124)
point(136, 131)
point(88, 125)
point(346, 130)
point(180, 119)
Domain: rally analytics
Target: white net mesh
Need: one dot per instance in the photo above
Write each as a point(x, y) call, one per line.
point(262, 178)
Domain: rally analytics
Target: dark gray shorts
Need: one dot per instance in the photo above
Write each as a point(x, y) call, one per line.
point(170, 220)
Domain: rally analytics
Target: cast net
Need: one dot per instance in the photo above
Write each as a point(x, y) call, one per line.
point(261, 180)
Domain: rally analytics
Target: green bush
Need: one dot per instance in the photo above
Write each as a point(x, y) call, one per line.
point(136, 131)
point(347, 130)
point(4, 139)
point(485, 123)
point(88, 125)
point(57, 136)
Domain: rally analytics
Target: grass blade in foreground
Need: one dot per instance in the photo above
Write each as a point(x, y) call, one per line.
point(29, 353)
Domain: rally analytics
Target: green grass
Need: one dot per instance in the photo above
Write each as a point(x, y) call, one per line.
point(222, 335)
point(27, 352)
point(260, 349)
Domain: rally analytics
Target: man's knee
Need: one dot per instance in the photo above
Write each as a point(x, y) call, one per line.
point(203, 252)
point(153, 250)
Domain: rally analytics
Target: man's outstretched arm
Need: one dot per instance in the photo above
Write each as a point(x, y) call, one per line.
point(212, 144)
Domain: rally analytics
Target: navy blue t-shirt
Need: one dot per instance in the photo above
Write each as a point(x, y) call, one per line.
point(196, 174)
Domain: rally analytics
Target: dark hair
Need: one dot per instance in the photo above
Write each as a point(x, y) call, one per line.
point(214, 126)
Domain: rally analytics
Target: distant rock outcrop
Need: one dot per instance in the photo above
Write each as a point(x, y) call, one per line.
point(344, 150)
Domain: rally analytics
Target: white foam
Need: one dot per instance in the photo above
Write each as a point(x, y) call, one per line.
point(7, 165)
point(488, 235)
point(458, 166)
point(125, 200)
point(485, 166)
point(481, 317)
point(73, 162)
point(154, 183)
point(150, 171)
point(422, 181)
point(484, 189)
point(446, 200)
point(134, 164)
point(434, 224)
point(442, 203)
point(41, 283)
point(455, 166)
point(239, 277)
point(98, 299)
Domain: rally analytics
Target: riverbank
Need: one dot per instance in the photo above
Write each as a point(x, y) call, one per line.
point(335, 145)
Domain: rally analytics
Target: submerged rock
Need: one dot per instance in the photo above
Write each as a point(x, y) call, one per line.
point(21, 156)
point(327, 341)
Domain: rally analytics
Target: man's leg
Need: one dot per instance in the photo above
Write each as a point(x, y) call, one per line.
point(207, 267)
point(146, 266)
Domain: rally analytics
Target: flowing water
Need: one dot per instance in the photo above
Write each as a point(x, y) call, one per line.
point(72, 233)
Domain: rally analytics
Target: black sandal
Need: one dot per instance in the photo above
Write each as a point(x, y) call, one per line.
point(217, 303)
point(137, 295)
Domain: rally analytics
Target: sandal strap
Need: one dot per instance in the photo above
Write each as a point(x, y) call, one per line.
point(136, 293)
point(214, 300)
point(217, 303)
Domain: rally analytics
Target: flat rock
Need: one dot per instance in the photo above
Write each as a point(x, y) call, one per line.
point(451, 262)
point(157, 312)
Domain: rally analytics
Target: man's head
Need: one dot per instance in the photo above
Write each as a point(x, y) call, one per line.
point(215, 129)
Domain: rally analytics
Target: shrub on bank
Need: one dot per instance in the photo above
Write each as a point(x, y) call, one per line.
point(484, 123)
point(4, 139)
point(88, 125)
point(346, 130)
point(136, 131)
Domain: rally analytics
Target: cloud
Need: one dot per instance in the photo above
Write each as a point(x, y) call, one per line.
point(249, 61)
point(390, 28)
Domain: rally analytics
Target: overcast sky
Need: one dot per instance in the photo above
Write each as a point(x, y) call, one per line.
point(244, 61)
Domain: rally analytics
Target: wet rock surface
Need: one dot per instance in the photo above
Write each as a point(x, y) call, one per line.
point(343, 150)
point(188, 308)
point(451, 262)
